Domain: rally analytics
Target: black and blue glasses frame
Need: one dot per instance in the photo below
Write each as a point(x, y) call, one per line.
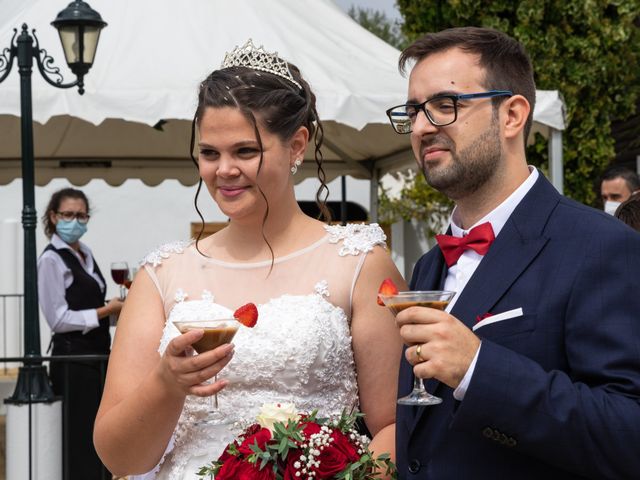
point(405, 126)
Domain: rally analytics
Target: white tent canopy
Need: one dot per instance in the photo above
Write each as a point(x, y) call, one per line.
point(150, 59)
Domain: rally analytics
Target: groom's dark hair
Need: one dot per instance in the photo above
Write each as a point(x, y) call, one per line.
point(505, 60)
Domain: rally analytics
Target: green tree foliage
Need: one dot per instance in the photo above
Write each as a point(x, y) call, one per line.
point(417, 201)
point(377, 22)
point(589, 50)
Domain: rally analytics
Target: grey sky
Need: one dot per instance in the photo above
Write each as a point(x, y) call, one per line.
point(387, 6)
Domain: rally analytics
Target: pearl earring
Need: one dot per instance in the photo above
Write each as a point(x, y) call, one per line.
point(296, 164)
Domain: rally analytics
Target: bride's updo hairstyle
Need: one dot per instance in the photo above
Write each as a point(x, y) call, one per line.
point(277, 103)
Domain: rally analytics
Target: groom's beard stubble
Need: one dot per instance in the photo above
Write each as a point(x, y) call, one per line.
point(468, 170)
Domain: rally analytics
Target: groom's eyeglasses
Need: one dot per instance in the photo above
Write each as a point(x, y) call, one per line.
point(440, 111)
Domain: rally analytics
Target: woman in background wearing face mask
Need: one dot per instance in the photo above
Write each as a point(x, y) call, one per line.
point(71, 290)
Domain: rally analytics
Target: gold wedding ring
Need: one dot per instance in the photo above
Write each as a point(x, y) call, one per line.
point(418, 349)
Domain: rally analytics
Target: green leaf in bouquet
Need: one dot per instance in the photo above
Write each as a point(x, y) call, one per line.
point(232, 449)
point(264, 462)
point(283, 447)
point(279, 429)
point(255, 448)
point(312, 417)
point(207, 471)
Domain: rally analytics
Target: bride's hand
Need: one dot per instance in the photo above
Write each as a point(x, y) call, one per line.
point(185, 373)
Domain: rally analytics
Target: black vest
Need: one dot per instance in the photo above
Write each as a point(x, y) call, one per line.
point(84, 293)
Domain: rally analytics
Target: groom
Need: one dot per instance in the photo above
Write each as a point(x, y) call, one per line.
point(538, 360)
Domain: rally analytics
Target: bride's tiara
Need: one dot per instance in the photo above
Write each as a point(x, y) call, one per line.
point(258, 59)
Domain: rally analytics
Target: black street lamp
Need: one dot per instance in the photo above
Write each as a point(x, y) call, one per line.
point(79, 28)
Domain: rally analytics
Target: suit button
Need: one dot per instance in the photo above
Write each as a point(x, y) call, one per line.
point(511, 442)
point(503, 439)
point(487, 432)
point(414, 466)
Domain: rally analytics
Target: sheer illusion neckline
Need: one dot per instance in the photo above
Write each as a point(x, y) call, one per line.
point(262, 263)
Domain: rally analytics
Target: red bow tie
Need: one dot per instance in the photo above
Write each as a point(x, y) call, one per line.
point(479, 239)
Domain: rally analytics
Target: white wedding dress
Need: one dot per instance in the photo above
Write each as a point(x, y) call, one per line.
point(299, 351)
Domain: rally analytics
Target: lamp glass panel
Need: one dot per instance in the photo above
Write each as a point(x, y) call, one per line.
point(70, 36)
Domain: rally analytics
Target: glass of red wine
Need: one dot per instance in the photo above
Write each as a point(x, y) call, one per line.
point(120, 275)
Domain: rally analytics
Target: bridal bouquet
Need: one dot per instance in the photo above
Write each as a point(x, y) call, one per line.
point(287, 445)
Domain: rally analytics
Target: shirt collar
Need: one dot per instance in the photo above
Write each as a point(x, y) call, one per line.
point(499, 215)
point(58, 243)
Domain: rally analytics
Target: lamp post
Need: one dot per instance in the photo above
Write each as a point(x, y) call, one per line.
point(79, 28)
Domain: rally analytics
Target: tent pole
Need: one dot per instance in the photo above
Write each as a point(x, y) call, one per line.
point(373, 195)
point(555, 159)
point(343, 200)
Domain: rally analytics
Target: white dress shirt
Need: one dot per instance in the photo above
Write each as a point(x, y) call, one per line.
point(54, 277)
point(459, 274)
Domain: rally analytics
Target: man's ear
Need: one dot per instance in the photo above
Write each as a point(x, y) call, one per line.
point(517, 110)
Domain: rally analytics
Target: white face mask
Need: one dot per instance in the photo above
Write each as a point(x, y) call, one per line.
point(610, 206)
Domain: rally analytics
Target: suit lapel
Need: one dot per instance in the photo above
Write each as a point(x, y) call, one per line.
point(504, 263)
point(515, 247)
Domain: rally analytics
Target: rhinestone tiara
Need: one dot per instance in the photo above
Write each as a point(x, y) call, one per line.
point(255, 58)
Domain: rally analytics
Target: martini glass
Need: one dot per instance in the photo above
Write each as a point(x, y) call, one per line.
point(216, 333)
point(438, 299)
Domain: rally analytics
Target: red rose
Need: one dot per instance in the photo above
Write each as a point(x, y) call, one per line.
point(342, 443)
point(226, 455)
point(336, 456)
point(236, 469)
point(289, 471)
point(252, 429)
point(310, 429)
point(262, 436)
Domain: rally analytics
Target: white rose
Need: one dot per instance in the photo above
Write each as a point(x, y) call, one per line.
point(271, 413)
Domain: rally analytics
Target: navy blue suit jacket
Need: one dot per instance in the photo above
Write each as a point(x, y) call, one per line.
point(555, 392)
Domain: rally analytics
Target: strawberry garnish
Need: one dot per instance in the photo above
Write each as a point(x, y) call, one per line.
point(386, 288)
point(247, 315)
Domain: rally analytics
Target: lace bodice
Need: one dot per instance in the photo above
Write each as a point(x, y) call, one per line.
point(299, 351)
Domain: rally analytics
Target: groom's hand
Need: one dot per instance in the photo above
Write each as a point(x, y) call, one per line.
point(446, 345)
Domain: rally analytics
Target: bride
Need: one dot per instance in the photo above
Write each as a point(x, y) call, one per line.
point(321, 342)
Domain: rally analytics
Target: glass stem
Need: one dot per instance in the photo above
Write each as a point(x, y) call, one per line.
point(215, 396)
point(417, 384)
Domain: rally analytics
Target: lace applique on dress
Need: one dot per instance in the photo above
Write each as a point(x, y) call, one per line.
point(180, 296)
point(322, 288)
point(356, 238)
point(155, 257)
point(207, 296)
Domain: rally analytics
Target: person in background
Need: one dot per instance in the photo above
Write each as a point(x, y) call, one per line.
point(629, 211)
point(617, 185)
point(537, 357)
point(71, 291)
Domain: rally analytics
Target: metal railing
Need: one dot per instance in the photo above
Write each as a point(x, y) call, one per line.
point(67, 360)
